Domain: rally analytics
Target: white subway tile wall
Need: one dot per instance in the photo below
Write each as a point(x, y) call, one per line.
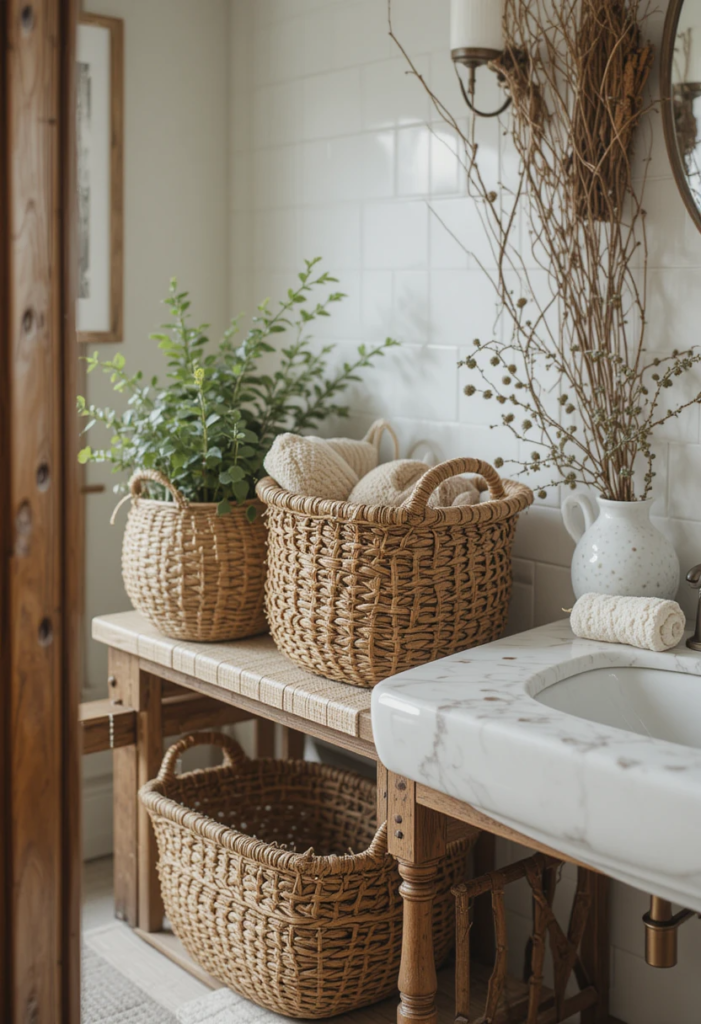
point(336, 152)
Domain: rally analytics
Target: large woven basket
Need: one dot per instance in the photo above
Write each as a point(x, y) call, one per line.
point(358, 593)
point(306, 934)
point(194, 574)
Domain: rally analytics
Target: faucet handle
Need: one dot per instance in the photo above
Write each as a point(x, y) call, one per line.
point(693, 577)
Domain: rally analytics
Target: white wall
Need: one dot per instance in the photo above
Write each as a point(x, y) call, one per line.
point(176, 194)
point(335, 152)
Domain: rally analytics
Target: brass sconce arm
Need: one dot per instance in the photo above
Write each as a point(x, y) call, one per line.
point(473, 59)
point(661, 930)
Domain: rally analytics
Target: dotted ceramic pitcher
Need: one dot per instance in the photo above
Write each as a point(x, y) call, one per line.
point(620, 551)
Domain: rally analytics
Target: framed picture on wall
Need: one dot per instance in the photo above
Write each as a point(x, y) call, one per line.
point(100, 139)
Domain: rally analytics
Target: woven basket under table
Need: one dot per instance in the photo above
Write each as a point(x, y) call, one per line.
point(303, 934)
point(358, 593)
point(194, 574)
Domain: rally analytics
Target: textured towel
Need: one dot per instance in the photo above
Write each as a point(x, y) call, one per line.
point(648, 622)
point(325, 467)
point(393, 483)
point(310, 466)
point(361, 456)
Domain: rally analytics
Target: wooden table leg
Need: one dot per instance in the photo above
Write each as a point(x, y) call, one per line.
point(137, 889)
point(149, 746)
point(264, 738)
point(292, 744)
point(125, 816)
point(482, 943)
point(596, 949)
point(417, 838)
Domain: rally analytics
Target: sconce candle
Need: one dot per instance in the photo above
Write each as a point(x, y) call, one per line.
point(476, 25)
point(476, 38)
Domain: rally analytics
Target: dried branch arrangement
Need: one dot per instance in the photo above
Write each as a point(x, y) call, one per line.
point(568, 361)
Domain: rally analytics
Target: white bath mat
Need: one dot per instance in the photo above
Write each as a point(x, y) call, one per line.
point(224, 1007)
point(107, 997)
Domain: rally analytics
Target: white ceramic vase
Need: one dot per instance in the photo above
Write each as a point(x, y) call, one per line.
point(620, 551)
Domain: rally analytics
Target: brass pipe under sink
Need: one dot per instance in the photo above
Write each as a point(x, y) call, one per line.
point(661, 929)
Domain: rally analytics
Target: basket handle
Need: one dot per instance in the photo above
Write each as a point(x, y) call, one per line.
point(374, 435)
point(233, 753)
point(135, 482)
point(437, 474)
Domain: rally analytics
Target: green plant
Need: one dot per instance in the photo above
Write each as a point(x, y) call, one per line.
point(210, 426)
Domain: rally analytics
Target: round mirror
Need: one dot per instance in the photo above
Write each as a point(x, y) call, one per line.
point(681, 98)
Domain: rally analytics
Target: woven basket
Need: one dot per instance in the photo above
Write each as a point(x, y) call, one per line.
point(194, 574)
point(358, 593)
point(304, 935)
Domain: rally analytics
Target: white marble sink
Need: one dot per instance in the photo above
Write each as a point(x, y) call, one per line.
point(591, 748)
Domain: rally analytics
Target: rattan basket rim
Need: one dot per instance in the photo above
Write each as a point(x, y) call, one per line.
point(518, 497)
point(153, 798)
point(195, 506)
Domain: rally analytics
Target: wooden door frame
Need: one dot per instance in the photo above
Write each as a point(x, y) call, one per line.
point(40, 518)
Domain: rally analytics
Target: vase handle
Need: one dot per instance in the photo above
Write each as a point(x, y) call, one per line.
point(584, 502)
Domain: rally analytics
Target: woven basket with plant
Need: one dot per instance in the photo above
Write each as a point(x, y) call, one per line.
point(277, 880)
point(194, 549)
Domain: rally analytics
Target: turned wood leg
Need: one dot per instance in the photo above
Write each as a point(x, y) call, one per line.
point(417, 838)
point(418, 983)
point(595, 949)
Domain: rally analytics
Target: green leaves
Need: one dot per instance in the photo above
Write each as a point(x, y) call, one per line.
point(209, 426)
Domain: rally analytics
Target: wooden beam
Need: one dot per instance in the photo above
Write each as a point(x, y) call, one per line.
point(106, 726)
point(6, 537)
point(255, 708)
point(190, 711)
point(73, 562)
point(40, 866)
point(109, 726)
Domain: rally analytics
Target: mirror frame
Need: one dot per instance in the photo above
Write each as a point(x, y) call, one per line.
point(666, 66)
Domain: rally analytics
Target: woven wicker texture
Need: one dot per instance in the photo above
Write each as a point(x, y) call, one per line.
point(306, 934)
point(194, 574)
point(358, 593)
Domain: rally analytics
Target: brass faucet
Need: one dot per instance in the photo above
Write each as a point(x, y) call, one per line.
point(661, 929)
point(693, 578)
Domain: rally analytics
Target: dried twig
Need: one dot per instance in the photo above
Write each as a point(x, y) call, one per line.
point(576, 71)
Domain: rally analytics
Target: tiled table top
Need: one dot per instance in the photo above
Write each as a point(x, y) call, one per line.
point(253, 668)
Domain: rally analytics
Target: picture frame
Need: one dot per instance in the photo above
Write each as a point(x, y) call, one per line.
point(100, 144)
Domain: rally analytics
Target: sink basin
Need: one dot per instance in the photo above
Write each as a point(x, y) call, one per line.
point(646, 701)
point(592, 749)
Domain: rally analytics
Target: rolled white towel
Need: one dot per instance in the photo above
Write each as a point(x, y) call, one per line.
point(648, 622)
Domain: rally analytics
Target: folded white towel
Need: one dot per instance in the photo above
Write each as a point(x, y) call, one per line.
point(648, 622)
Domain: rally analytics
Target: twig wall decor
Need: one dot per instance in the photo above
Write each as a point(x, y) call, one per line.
point(576, 71)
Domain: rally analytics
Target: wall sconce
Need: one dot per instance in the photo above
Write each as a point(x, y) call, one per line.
point(476, 38)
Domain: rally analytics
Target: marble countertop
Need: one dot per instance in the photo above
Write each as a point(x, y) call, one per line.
point(469, 726)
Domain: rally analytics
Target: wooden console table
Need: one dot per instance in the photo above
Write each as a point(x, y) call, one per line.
point(159, 687)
